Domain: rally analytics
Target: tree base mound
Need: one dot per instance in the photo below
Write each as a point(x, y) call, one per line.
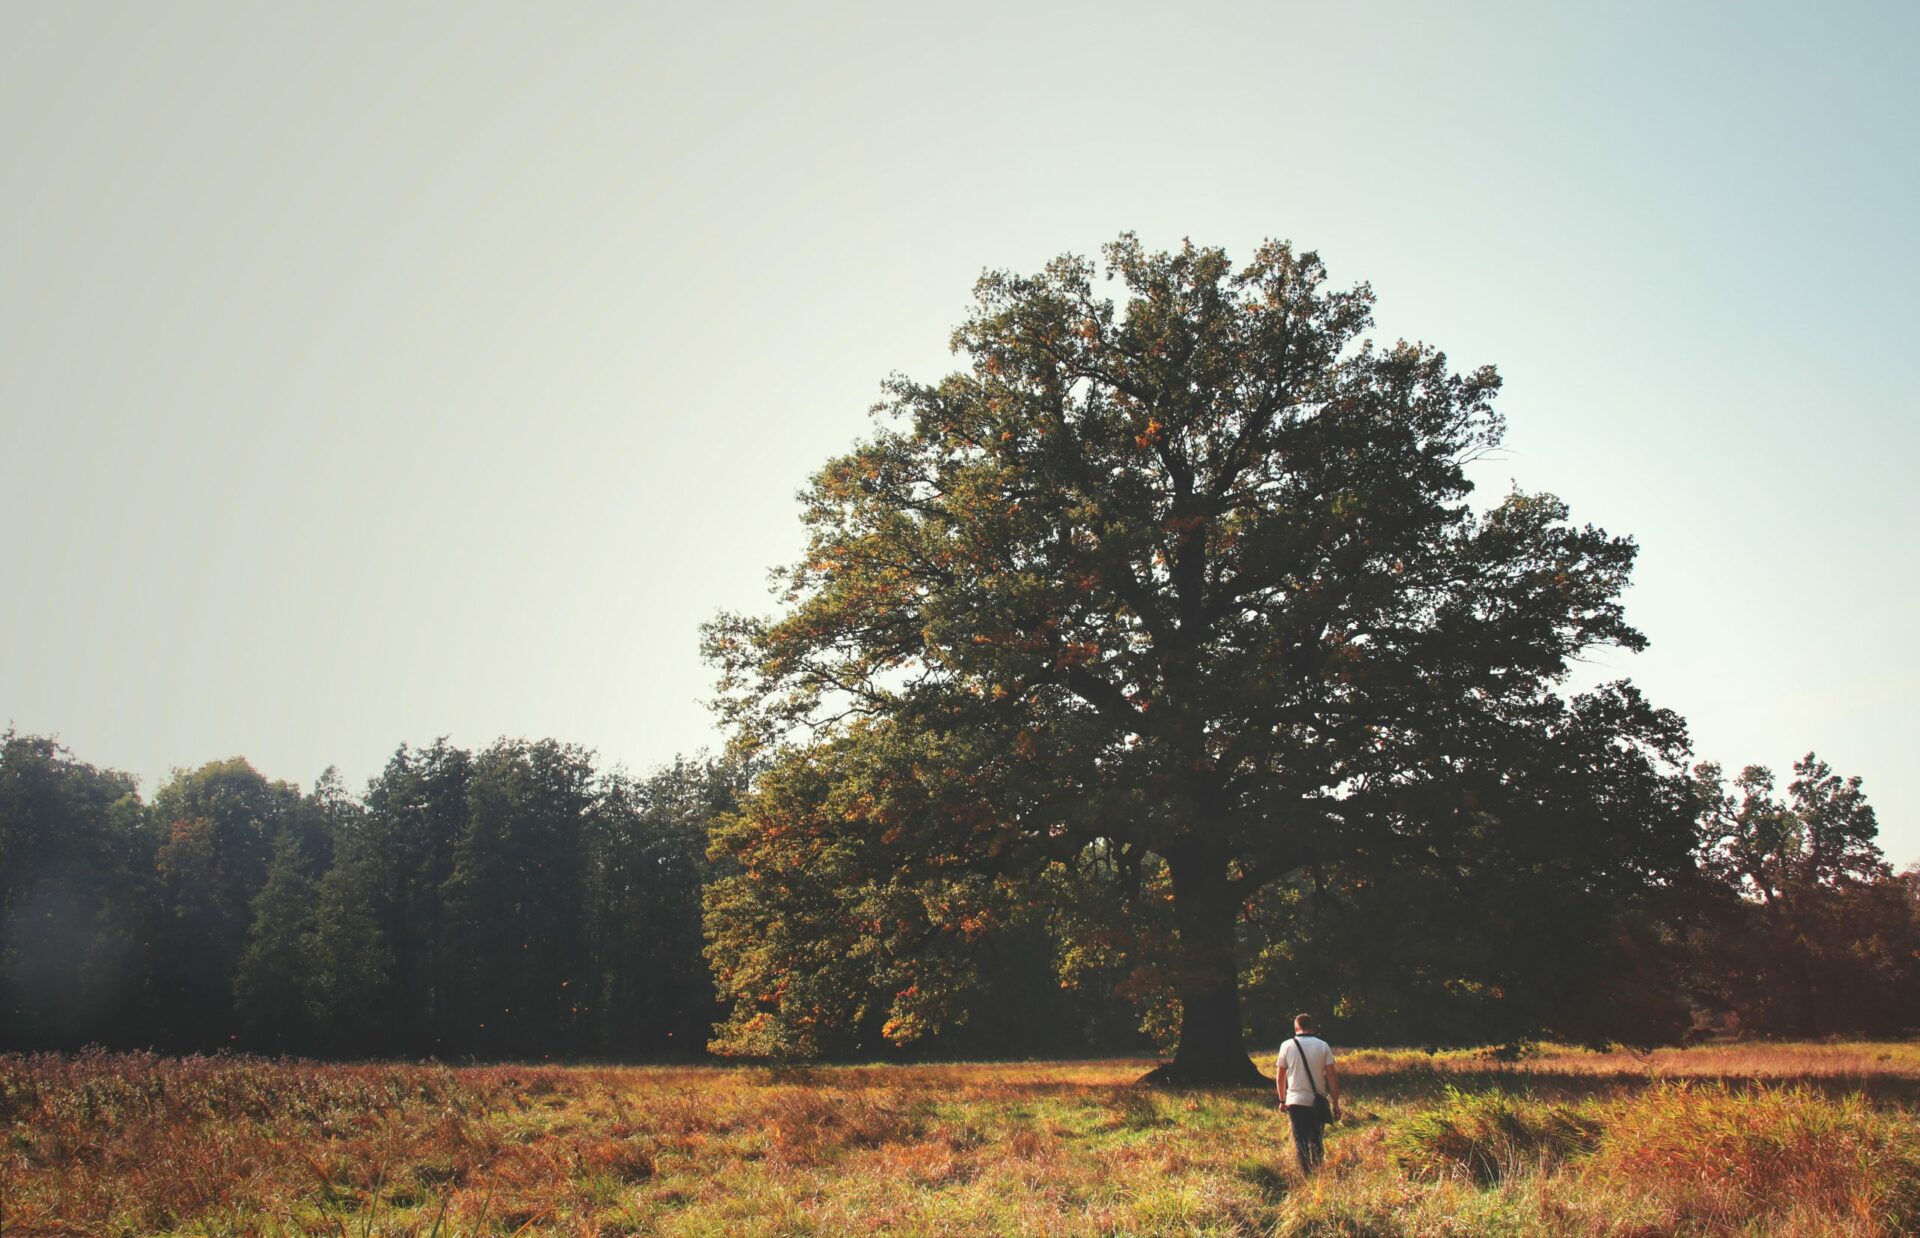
point(1174, 1075)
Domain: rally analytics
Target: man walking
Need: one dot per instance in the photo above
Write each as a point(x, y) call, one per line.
point(1309, 1089)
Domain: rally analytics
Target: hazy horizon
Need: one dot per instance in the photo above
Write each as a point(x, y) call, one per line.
point(369, 374)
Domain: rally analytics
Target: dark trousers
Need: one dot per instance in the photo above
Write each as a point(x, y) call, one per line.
point(1308, 1130)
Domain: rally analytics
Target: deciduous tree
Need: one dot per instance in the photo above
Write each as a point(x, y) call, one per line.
point(216, 828)
point(72, 859)
point(1190, 574)
point(1818, 936)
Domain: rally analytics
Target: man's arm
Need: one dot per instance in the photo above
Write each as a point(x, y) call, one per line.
point(1280, 1075)
point(1333, 1087)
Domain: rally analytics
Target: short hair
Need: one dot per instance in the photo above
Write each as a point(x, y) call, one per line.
point(1304, 1022)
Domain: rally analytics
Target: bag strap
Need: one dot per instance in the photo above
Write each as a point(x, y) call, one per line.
point(1307, 1066)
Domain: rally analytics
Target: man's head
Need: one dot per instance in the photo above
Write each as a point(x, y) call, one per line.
point(1302, 1023)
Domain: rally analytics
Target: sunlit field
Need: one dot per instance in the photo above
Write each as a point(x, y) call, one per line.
point(1775, 1139)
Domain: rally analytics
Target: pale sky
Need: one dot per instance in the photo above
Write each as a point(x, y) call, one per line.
point(376, 372)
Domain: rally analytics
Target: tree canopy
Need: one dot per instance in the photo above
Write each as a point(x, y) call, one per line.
point(1812, 934)
point(1187, 576)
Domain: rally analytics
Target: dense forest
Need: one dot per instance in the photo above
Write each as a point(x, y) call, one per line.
point(509, 903)
point(521, 902)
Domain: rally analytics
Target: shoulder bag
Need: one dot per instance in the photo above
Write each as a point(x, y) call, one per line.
point(1322, 1107)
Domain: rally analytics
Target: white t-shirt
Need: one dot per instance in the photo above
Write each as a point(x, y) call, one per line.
point(1319, 1056)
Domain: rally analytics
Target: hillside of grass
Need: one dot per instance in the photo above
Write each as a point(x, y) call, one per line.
point(1774, 1139)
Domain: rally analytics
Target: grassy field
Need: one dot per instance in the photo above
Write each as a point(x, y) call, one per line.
point(1774, 1139)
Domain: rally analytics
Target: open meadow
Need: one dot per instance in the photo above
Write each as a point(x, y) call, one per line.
point(1776, 1139)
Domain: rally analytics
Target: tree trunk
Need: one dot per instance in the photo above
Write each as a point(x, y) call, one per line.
point(1206, 913)
point(1793, 948)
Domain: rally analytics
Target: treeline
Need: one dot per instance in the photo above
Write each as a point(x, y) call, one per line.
point(1790, 923)
point(519, 902)
point(510, 903)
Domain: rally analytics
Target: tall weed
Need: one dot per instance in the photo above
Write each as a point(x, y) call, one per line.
point(1486, 1136)
point(1716, 1158)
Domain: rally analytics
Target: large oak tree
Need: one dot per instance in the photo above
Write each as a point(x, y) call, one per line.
point(1191, 574)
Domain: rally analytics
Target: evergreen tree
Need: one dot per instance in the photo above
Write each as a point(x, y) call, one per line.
point(275, 984)
point(352, 988)
point(415, 814)
point(646, 865)
point(514, 923)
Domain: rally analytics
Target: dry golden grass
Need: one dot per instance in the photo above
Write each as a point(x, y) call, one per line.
point(1806, 1139)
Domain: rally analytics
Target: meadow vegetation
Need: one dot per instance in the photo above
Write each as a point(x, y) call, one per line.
point(1776, 1139)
